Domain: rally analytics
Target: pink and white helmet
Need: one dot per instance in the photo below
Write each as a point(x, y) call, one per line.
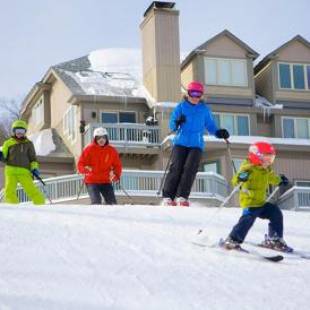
point(195, 86)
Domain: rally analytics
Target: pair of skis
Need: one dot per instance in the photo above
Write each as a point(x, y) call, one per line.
point(242, 250)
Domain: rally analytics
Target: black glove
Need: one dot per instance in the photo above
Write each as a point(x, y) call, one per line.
point(222, 134)
point(180, 120)
point(284, 180)
point(243, 176)
point(1, 156)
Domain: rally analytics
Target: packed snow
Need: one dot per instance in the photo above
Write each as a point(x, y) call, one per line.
point(43, 142)
point(142, 257)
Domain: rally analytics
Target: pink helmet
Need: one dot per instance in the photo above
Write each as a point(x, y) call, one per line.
point(195, 86)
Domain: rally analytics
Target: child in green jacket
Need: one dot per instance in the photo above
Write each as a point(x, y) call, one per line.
point(255, 176)
point(19, 156)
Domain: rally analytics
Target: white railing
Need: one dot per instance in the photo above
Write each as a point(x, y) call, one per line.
point(127, 134)
point(136, 183)
point(296, 198)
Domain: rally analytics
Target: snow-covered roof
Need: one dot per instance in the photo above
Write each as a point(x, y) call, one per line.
point(107, 72)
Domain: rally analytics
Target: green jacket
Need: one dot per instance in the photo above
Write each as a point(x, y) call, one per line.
point(253, 192)
point(19, 153)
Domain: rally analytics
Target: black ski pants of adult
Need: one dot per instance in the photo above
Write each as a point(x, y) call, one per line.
point(96, 190)
point(182, 171)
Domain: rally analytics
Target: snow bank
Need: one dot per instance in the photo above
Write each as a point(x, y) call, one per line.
point(141, 257)
point(43, 142)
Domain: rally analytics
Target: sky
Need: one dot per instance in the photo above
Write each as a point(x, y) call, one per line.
point(38, 34)
point(77, 257)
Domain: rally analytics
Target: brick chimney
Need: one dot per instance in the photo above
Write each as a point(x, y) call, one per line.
point(161, 51)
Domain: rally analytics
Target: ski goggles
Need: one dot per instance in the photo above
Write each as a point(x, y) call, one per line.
point(195, 94)
point(20, 131)
point(101, 137)
point(268, 159)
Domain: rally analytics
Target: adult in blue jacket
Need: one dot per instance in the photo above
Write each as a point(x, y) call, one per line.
point(190, 119)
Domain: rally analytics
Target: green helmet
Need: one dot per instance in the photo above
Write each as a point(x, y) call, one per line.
point(19, 124)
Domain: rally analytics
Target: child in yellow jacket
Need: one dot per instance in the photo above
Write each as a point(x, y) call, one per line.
point(255, 176)
point(19, 156)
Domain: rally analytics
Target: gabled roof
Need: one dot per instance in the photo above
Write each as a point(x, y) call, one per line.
point(274, 53)
point(201, 48)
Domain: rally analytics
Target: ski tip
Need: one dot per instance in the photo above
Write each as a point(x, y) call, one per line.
point(276, 258)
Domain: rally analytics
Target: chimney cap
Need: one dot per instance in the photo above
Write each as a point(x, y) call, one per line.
point(159, 5)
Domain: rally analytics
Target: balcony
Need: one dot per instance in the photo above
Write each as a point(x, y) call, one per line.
point(127, 134)
point(296, 198)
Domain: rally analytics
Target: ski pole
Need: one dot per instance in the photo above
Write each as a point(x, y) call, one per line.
point(273, 194)
point(230, 156)
point(43, 187)
point(125, 192)
point(164, 176)
point(80, 190)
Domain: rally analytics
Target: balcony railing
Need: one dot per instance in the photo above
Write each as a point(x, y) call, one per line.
point(296, 198)
point(136, 183)
point(124, 134)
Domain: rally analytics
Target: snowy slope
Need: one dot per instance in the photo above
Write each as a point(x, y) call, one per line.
point(141, 257)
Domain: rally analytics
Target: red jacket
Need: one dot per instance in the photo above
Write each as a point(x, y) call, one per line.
point(100, 160)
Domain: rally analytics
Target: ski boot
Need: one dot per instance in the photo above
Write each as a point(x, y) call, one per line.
point(168, 202)
point(230, 244)
point(276, 243)
point(182, 202)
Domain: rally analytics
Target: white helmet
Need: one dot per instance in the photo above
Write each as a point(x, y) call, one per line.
point(99, 132)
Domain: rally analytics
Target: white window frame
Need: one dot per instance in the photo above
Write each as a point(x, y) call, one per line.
point(71, 133)
point(235, 115)
point(295, 119)
point(292, 76)
point(230, 60)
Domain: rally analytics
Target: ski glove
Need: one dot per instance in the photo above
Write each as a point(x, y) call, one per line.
point(1, 156)
point(222, 134)
point(35, 172)
point(243, 176)
point(284, 180)
point(180, 120)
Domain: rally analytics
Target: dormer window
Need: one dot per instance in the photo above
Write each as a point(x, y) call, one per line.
point(294, 76)
point(226, 72)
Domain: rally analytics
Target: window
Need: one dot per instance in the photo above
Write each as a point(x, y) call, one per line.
point(236, 124)
point(296, 128)
point(127, 117)
point(212, 166)
point(38, 112)
point(294, 76)
point(226, 72)
point(70, 123)
point(118, 117)
point(107, 117)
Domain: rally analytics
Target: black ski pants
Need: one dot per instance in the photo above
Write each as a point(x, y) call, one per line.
point(182, 171)
point(268, 211)
point(105, 189)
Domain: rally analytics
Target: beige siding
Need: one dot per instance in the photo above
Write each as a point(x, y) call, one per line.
point(294, 165)
point(161, 62)
point(295, 52)
point(187, 75)
point(293, 95)
point(60, 95)
point(264, 83)
point(264, 126)
point(226, 91)
point(225, 47)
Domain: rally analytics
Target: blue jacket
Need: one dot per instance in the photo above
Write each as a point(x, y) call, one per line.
point(198, 119)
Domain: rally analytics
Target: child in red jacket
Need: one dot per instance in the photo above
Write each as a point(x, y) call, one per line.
point(101, 165)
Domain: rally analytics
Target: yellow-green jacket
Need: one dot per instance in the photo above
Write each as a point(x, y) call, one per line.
point(253, 192)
